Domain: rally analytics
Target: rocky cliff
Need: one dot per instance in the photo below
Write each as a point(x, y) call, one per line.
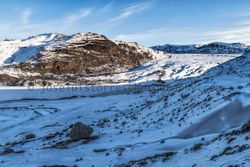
point(88, 54)
point(82, 55)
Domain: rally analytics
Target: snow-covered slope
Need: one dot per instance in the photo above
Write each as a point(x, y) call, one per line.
point(211, 48)
point(177, 110)
point(12, 51)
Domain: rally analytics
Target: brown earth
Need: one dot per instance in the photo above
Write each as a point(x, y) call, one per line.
point(88, 54)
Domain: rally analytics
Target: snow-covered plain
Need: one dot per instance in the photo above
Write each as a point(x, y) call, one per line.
point(177, 110)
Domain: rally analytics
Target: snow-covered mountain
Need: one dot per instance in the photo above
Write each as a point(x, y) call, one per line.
point(14, 51)
point(171, 110)
point(43, 46)
point(58, 57)
point(211, 48)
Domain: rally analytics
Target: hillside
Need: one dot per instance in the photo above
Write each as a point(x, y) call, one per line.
point(57, 57)
point(185, 109)
point(211, 48)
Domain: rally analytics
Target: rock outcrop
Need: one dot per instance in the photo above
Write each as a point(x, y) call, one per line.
point(246, 127)
point(30, 136)
point(7, 79)
point(80, 131)
point(87, 54)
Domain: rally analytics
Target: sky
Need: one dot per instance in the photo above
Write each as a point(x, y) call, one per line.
point(149, 22)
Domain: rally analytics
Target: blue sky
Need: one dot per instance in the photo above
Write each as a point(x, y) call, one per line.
point(149, 22)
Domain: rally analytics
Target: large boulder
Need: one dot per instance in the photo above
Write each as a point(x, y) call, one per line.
point(80, 131)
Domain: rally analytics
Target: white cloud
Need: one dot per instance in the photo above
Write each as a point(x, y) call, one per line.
point(23, 28)
point(133, 9)
point(106, 8)
point(74, 17)
point(236, 34)
point(25, 16)
point(158, 36)
point(237, 31)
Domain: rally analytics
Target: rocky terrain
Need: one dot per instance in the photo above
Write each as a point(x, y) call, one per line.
point(169, 110)
point(66, 58)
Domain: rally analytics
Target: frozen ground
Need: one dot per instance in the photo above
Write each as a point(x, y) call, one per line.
point(192, 116)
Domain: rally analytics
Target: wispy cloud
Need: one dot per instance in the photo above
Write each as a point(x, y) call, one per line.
point(236, 34)
point(74, 17)
point(106, 8)
point(25, 16)
point(243, 23)
point(131, 10)
point(161, 35)
point(236, 31)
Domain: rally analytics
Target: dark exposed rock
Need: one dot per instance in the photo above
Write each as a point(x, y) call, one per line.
point(61, 144)
point(80, 131)
point(100, 150)
point(89, 139)
point(231, 150)
point(197, 147)
point(30, 136)
point(7, 151)
point(50, 136)
point(7, 79)
point(143, 162)
point(246, 127)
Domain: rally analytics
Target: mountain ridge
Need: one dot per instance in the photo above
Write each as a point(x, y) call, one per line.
point(210, 48)
point(54, 55)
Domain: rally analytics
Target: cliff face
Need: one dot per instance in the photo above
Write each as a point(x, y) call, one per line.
point(7, 79)
point(89, 54)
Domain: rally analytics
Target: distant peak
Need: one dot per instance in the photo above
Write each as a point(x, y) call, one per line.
point(210, 48)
